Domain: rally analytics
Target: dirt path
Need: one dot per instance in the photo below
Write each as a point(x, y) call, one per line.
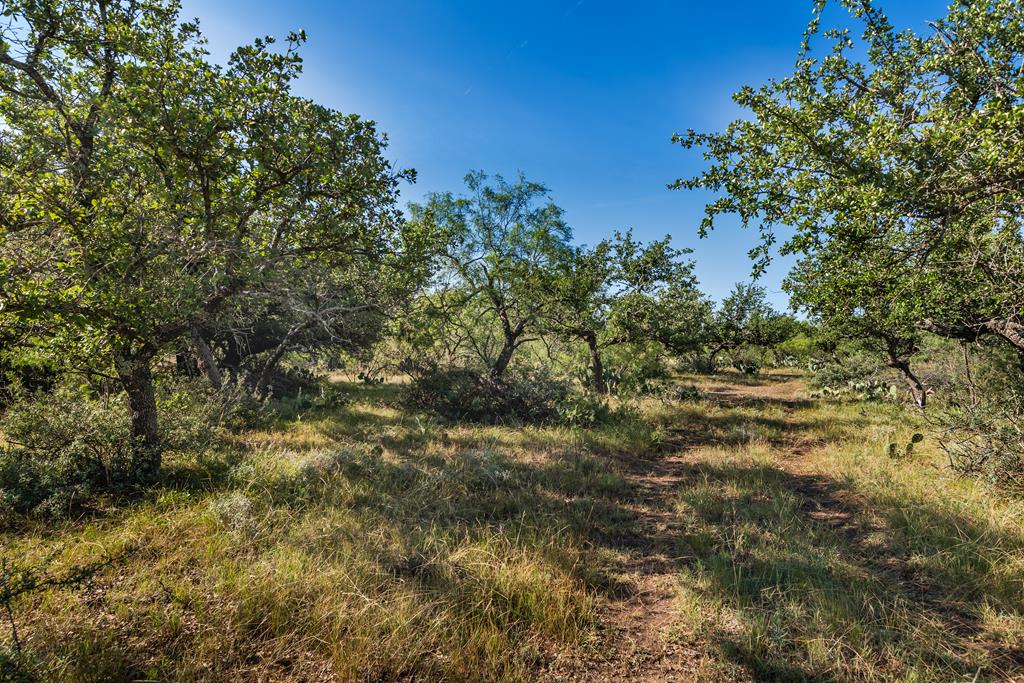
point(639, 641)
point(641, 634)
point(637, 625)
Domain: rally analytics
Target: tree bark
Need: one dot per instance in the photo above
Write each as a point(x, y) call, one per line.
point(597, 382)
point(207, 363)
point(917, 389)
point(136, 378)
point(1010, 332)
point(504, 358)
point(712, 368)
point(263, 381)
point(512, 342)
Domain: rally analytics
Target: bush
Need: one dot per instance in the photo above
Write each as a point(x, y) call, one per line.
point(584, 410)
point(702, 365)
point(466, 394)
point(683, 392)
point(63, 448)
point(748, 360)
point(194, 415)
point(66, 448)
point(634, 368)
point(860, 368)
point(981, 417)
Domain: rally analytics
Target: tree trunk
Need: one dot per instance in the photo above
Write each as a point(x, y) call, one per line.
point(504, 358)
point(712, 368)
point(232, 357)
point(263, 381)
point(207, 363)
point(137, 380)
point(917, 389)
point(597, 382)
point(1011, 332)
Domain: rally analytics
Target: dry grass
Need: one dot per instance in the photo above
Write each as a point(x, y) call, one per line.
point(363, 543)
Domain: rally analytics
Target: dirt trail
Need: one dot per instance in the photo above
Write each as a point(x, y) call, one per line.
point(638, 640)
point(637, 625)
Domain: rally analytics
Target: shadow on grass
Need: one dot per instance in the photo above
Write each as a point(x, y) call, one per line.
point(806, 586)
point(821, 593)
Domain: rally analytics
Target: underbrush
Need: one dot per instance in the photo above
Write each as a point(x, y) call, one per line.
point(472, 395)
point(64, 450)
point(356, 540)
point(522, 398)
point(353, 543)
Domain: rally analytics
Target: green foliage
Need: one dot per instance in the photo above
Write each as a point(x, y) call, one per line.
point(745, 319)
point(584, 410)
point(624, 292)
point(855, 366)
point(147, 191)
point(67, 448)
point(634, 369)
point(504, 245)
point(893, 160)
point(908, 449)
point(63, 449)
point(981, 416)
point(466, 394)
point(748, 360)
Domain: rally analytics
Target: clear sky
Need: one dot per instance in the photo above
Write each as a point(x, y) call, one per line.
point(582, 95)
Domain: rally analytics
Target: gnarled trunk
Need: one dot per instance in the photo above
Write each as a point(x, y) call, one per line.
point(136, 378)
point(207, 363)
point(597, 382)
point(504, 358)
point(513, 340)
point(917, 388)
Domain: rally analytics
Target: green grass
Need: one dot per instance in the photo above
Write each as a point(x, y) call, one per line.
point(365, 543)
point(849, 564)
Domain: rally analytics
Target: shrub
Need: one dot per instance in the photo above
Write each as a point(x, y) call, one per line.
point(63, 448)
point(858, 368)
point(194, 415)
point(683, 392)
point(22, 371)
point(748, 360)
point(67, 447)
point(584, 410)
point(471, 395)
point(702, 365)
point(635, 368)
point(981, 417)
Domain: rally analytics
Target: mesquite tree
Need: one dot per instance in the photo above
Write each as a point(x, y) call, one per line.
point(745, 318)
point(901, 172)
point(622, 291)
point(505, 246)
point(144, 189)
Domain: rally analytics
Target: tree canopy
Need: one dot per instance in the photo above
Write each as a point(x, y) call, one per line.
point(899, 173)
point(144, 189)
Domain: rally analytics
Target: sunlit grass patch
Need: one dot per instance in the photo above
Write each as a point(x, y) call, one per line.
point(361, 541)
point(855, 560)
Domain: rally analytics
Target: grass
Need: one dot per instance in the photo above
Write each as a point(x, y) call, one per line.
point(364, 543)
point(843, 562)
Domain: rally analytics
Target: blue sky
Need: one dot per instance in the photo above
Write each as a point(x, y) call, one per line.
point(579, 94)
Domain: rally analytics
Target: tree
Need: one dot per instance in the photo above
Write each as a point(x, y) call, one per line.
point(902, 171)
point(505, 245)
point(144, 190)
point(621, 291)
point(854, 302)
point(745, 318)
